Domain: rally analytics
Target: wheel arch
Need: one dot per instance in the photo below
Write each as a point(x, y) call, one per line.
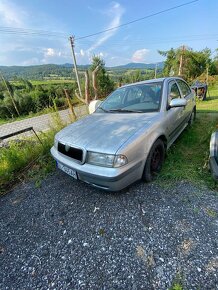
point(163, 138)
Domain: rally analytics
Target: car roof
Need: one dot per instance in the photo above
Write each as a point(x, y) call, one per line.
point(152, 81)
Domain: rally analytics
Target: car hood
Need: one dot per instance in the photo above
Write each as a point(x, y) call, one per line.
point(104, 132)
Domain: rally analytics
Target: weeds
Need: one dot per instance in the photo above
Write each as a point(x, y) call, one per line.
point(28, 157)
point(187, 159)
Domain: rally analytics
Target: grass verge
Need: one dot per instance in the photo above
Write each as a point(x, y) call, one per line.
point(210, 105)
point(187, 159)
point(28, 157)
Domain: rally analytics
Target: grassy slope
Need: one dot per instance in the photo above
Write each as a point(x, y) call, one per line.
point(16, 160)
point(47, 82)
point(187, 159)
point(211, 102)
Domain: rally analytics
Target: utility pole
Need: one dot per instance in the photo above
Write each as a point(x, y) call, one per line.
point(181, 61)
point(155, 71)
point(71, 39)
point(207, 75)
point(10, 94)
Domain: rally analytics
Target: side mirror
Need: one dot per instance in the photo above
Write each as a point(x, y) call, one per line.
point(175, 103)
point(94, 105)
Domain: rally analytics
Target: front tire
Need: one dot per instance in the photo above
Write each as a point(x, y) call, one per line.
point(154, 161)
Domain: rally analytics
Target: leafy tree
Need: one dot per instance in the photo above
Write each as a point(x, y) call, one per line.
point(104, 83)
point(194, 62)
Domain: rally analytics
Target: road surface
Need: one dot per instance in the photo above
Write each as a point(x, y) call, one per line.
point(39, 123)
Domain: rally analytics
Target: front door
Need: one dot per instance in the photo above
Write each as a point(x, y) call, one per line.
point(175, 116)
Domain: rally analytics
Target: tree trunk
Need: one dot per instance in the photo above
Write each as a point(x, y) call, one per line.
point(87, 89)
point(78, 97)
point(94, 81)
point(70, 104)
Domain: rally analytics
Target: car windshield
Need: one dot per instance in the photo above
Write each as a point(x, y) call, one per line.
point(139, 98)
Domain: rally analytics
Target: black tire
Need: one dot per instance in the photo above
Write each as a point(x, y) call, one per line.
point(154, 161)
point(192, 117)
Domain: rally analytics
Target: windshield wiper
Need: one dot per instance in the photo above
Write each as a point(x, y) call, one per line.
point(125, 111)
point(103, 109)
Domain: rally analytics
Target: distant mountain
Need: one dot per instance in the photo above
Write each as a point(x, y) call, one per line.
point(70, 65)
point(135, 65)
point(46, 71)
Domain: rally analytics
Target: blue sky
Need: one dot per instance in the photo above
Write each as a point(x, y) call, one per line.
point(194, 25)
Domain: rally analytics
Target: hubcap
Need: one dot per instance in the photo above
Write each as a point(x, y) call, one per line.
point(155, 160)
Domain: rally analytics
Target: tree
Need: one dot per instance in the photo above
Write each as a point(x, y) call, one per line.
point(213, 67)
point(101, 81)
point(102, 85)
point(194, 63)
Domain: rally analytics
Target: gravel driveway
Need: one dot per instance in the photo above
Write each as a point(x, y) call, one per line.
point(67, 235)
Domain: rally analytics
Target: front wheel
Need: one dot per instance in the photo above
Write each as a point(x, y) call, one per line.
point(154, 161)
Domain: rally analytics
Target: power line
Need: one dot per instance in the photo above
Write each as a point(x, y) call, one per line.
point(136, 20)
point(24, 31)
point(45, 33)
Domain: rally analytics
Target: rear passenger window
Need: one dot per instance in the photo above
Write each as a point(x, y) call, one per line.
point(184, 88)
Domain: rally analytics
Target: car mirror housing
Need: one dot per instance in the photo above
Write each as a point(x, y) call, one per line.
point(178, 103)
point(94, 105)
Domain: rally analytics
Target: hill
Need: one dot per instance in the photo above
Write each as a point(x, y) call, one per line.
point(133, 65)
point(55, 71)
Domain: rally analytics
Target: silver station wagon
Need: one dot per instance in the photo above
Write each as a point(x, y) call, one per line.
point(126, 138)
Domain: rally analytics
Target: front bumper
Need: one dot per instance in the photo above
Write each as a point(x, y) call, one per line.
point(111, 179)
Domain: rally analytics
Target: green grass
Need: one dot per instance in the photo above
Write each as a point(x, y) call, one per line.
point(28, 157)
point(46, 82)
point(210, 105)
point(20, 155)
point(187, 159)
point(53, 82)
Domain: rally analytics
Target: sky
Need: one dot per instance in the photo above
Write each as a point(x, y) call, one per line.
point(194, 25)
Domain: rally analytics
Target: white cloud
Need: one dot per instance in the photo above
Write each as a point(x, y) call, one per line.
point(139, 55)
point(82, 52)
point(51, 52)
point(10, 14)
point(116, 12)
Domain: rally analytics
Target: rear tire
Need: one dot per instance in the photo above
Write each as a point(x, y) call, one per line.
point(154, 161)
point(192, 117)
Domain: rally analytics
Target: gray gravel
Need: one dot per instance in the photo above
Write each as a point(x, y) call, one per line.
point(67, 235)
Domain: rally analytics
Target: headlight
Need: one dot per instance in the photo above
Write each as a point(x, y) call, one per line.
point(55, 143)
point(106, 160)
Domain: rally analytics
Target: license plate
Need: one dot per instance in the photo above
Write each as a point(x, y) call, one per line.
point(67, 170)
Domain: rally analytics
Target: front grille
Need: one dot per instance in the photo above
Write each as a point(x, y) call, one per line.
point(72, 152)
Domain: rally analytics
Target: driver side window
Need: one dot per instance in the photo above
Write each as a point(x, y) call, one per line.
point(173, 92)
